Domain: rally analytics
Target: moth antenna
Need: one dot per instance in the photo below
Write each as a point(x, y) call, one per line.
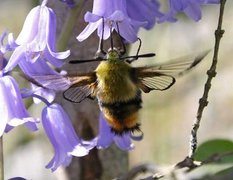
point(134, 58)
point(139, 46)
point(85, 60)
point(130, 59)
point(147, 55)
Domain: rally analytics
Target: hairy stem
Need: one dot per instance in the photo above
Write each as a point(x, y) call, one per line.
point(211, 73)
point(1, 159)
point(69, 26)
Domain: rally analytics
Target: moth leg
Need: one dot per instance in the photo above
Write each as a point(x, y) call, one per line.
point(100, 54)
point(122, 51)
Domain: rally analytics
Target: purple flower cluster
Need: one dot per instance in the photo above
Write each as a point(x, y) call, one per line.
point(34, 52)
point(13, 112)
point(190, 7)
point(130, 15)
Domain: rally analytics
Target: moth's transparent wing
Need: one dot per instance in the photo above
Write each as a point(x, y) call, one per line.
point(76, 87)
point(161, 77)
point(83, 86)
point(77, 94)
point(52, 82)
point(154, 81)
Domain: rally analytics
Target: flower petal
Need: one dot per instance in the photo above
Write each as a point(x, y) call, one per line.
point(116, 16)
point(54, 57)
point(11, 41)
point(189, 7)
point(90, 17)
point(17, 55)
point(144, 11)
point(12, 108)
point(30, 27)
point(89, 29)
point(39, 67)
point(124, 142)
point(127, 31)
point(193, 11)
point(105, 137)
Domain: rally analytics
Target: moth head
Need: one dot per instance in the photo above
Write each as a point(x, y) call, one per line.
point(113, 54)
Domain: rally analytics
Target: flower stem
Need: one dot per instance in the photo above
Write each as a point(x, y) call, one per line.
point(69, 25)
point(1, 159)
point(211, 73)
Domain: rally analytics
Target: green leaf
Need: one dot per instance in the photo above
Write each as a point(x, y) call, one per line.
point(213, 147)
point(210, 171)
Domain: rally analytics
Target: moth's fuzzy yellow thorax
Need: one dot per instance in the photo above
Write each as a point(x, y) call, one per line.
point(114, 81)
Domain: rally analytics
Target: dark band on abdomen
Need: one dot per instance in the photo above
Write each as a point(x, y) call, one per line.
point(121, 110)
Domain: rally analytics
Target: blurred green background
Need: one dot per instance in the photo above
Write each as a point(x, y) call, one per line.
point(167, 116)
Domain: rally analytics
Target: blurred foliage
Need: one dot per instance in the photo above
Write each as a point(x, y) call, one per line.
point(215, 147)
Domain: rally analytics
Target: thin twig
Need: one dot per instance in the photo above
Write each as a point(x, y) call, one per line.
point(211, 74)
point(142, 168)
point(1, 159)
point(188, 165)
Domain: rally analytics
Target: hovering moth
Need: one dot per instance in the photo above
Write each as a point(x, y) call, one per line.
point(117, 85)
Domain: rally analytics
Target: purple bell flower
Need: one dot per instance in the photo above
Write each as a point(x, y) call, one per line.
point(37, 39)
point(13, 111)
point(130, 15)
point(190, 7)
point(62, 135)
point(144, 11)
point(112, 12)
point(106, 137)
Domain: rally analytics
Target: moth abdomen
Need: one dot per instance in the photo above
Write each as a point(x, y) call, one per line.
point(122, 116)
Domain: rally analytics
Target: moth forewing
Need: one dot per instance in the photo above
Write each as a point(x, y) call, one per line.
point(78, 94)
point(76, 87)
point(53, 82)
point(176, 66)
point(196, 61)
point(82, 79)
point(83, 86)
point(152, 80)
